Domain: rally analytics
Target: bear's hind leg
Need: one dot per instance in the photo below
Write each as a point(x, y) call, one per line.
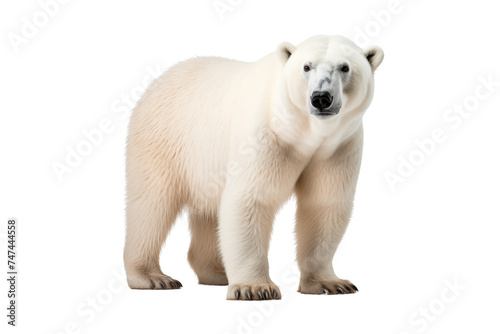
point(152, 208)
point(204, 255)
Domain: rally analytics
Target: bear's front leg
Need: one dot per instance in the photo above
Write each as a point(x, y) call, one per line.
point(245, 227)
point(325, 194)
point(249, 202)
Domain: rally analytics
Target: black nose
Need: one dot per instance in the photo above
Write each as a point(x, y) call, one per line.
point(321, 100)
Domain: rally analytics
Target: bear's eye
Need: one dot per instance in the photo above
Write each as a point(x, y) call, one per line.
point(345, 68)
point(306, 68)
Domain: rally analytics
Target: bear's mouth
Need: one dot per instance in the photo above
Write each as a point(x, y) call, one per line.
point(324, 114)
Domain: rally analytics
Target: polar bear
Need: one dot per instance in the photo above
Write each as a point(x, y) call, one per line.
point(230, 142)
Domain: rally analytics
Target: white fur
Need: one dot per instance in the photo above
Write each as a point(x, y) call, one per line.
point(231, 141)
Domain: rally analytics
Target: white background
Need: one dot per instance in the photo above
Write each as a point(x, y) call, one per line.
point(404, 246)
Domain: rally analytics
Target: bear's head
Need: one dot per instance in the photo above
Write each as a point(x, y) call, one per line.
point(327, 75)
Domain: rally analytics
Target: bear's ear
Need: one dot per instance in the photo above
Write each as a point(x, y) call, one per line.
point(284, 51)
point(374, 55)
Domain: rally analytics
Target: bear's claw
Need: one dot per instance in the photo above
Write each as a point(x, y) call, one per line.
point(254, 292)
point(153, 282)
point(330, 287)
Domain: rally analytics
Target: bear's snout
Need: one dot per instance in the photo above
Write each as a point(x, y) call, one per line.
point(321, 100)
